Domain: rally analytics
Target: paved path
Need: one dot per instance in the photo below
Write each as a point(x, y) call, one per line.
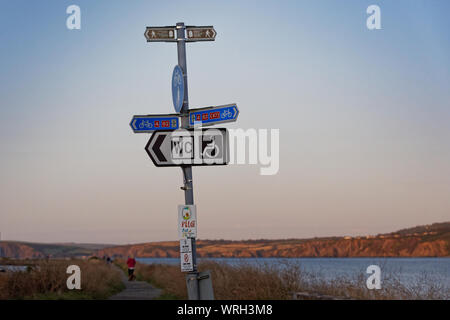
point(136, 290)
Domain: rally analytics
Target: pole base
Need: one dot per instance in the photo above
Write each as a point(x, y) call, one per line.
point(199, 286)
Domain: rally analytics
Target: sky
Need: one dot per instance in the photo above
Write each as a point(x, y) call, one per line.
point(363, 117)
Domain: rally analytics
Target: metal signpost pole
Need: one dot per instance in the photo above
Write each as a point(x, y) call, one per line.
point(166, 145)
point(192, 277)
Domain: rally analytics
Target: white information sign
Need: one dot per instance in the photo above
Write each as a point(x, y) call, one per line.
point(187, 221)
point(185, 245)
point(186, 262)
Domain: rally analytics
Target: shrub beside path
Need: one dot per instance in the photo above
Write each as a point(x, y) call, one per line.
point(136, 290)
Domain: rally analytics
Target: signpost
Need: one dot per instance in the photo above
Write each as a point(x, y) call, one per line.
point(174, 144)
point(213, 115)
point(189, 147)
point(150, 123)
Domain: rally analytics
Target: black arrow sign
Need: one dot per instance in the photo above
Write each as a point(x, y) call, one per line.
point(157, 145)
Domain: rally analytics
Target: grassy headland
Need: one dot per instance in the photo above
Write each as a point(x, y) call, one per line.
point(47, 280)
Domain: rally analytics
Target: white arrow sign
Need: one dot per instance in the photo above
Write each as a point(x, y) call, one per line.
point(189, 147)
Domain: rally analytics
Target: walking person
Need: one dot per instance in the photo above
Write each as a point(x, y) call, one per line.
point(131, 263)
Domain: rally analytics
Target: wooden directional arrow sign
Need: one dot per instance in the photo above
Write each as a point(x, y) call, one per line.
point(199, 147)
point(213, 115)
point(165, 34)
point(205, 33)
point(150, 123)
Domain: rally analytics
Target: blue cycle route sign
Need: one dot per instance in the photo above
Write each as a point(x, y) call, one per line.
point(150, 123)
point(213, 115)
point(177, 88)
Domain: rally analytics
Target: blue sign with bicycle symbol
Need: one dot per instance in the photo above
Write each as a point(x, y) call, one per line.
point(143, 124)
point(177, 88)
point(213, 115)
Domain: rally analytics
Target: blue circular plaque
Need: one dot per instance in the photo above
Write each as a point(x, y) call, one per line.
point(177, 88)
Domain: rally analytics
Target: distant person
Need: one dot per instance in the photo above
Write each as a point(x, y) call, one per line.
point(108, 260)
point(131, 263)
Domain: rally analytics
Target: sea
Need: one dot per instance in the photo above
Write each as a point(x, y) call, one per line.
point(407, 271)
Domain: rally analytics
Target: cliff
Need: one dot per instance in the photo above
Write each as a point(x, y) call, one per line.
point(422, 241)
point(28, 250)
point(425, 241)
point(18, 250)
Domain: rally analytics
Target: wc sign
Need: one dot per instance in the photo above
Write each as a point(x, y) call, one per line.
point(208, 146)
point(182, 147)
point(187, 221)
point(195, 147)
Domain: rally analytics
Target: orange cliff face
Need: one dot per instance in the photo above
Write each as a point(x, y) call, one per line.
point(337, 247)
point(18, 251)
point(422, 241)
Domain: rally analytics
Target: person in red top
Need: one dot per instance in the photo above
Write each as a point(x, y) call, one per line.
point(131, 263)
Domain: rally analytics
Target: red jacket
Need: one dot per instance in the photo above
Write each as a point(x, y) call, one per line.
point(131, 262)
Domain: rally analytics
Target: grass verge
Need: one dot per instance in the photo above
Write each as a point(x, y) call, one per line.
point(279, 281)
point(47, 280)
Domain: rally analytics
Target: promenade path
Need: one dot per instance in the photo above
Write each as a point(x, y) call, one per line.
point(136, 290)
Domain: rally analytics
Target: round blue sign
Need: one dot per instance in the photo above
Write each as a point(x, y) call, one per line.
point(177, 88)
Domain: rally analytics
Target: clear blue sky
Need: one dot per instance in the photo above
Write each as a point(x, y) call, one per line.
point(363, 117)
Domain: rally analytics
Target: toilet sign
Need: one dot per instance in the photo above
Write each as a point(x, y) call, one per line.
point(187, 221)
point(202, 147)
